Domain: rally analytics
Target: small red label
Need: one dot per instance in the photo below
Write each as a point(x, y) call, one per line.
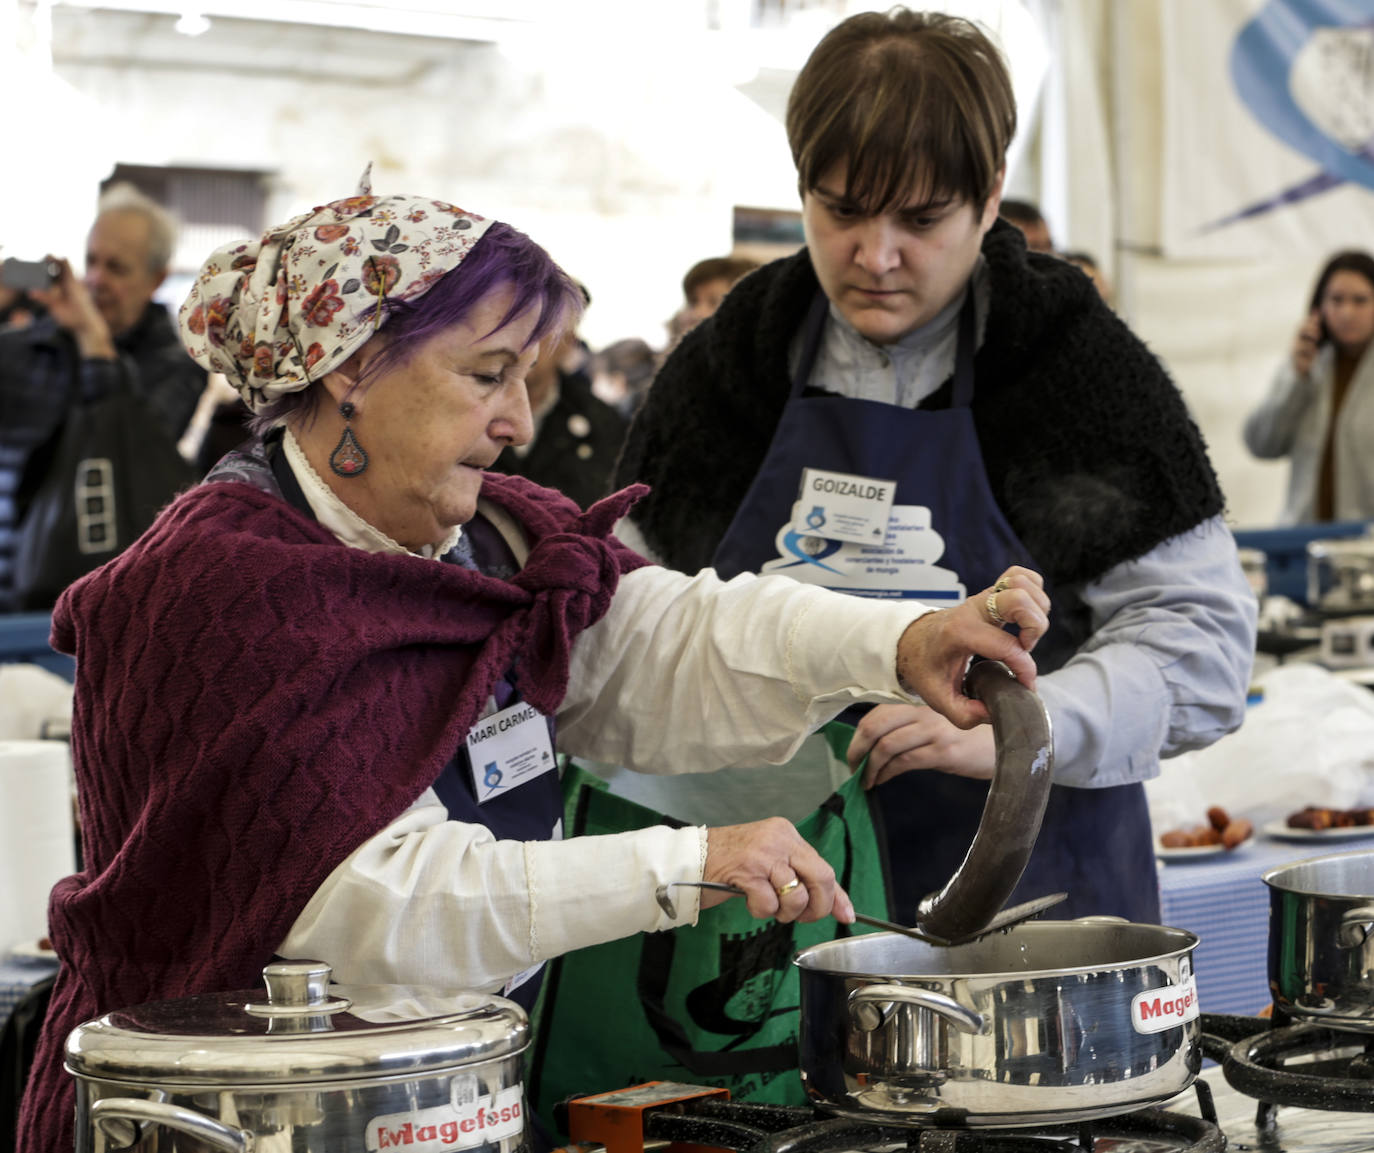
point(485, 1121)
point(1164, 1008)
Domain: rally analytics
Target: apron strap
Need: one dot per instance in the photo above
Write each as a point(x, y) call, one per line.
point(813, 329)
point(962, 395)
point(286, 479)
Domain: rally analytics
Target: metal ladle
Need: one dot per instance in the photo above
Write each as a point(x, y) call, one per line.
point(967, 906)
point(1003, 920)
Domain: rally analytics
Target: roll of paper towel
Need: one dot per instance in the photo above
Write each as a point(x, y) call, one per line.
point(36, 835)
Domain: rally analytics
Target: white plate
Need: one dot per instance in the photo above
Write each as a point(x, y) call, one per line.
point(1281, 832)
point(31, 951)
point(1360, 676)
point(1196, 852)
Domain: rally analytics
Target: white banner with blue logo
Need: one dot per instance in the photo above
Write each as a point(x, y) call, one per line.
point(1268, 127)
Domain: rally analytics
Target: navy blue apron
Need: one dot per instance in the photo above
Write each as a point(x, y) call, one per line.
point(1094, 844)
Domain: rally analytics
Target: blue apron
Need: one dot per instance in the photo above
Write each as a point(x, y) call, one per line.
point(1094, 844)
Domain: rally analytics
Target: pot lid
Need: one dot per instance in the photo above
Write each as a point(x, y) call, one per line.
point(300, 1029)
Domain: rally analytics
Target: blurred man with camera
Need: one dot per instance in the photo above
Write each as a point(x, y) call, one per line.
point(103, 338)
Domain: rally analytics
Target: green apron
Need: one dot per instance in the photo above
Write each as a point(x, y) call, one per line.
point(710, 1004)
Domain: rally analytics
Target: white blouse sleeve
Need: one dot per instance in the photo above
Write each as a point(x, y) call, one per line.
point(682, 673)
point(690, 674)
point(431, 901)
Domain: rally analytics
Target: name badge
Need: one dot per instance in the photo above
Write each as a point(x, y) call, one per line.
point(507, 749)
point(842, 506)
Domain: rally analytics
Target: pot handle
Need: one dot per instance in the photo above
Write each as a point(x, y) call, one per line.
point(1356, 925)
point(1012, 812)
point(882, 997)
point(207, 1129)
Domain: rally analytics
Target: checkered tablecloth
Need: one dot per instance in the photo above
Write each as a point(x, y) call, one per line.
point(17, 976)
point(1223, 900)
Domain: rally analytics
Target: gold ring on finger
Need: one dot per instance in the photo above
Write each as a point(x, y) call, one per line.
point(991, 605)
point(1003, 583)
point(795, 882)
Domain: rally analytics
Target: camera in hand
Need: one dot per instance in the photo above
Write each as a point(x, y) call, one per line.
point(22, 275)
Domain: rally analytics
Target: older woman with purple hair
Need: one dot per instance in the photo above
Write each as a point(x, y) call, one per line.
point(318, 702)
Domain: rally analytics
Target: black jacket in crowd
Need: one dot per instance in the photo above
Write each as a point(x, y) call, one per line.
point(43, 375)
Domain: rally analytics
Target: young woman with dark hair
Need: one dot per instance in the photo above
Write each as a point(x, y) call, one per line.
point(1319, 411)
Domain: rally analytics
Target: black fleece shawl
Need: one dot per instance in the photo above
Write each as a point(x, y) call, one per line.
point(1090, 450)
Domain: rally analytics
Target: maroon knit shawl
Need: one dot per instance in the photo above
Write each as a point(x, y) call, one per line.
point(253, 701)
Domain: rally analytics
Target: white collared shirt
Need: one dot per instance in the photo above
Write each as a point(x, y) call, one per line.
point(903, 373)
point(342, 521)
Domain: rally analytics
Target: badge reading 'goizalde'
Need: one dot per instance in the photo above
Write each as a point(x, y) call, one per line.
point(842, 506)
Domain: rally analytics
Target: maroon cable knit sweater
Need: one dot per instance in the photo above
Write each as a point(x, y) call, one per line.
point(253, 701)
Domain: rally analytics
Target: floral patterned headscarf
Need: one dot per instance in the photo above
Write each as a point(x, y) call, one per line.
point(276, 314)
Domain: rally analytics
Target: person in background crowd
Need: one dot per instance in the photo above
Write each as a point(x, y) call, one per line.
point(1319, 411)
point(622, 373)
point(577, 435)
point(1089, 266)
point(219, 425)
point(915, 341)
point(1034, 227)
point(321, 625)
point(704, 287)
point(103, 333)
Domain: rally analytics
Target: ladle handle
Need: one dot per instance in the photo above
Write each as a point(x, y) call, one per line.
point(1012, 813)
point(666, 903)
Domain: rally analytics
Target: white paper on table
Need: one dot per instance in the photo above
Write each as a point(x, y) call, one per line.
point(1310, 741)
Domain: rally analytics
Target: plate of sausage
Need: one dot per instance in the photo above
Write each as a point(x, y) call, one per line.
point(1315, 823)
point(1222, 833)
point(1190, 852)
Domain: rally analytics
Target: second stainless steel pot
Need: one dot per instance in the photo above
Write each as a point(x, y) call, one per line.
point(1321, 939)
point(1050, 1022)
point(307, 1067)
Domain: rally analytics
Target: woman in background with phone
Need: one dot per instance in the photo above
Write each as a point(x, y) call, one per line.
point(1320, 408)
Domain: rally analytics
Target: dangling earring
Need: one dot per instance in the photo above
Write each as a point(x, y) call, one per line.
point(348, 457)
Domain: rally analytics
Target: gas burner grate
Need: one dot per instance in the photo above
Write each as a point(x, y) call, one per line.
point(1306, 1066)
point(774, 1129)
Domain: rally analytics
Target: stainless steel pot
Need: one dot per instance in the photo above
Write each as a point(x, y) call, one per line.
point(1340, 575)
point(1321, 939)
point(306, 1068)
point(1050, 1022)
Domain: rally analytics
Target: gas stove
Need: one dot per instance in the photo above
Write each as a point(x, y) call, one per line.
point(1304, 1086)
point(1276, 1088)
point(679, 1118)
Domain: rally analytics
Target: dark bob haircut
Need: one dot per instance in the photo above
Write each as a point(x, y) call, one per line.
point(911, 103)
point(502, 257)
